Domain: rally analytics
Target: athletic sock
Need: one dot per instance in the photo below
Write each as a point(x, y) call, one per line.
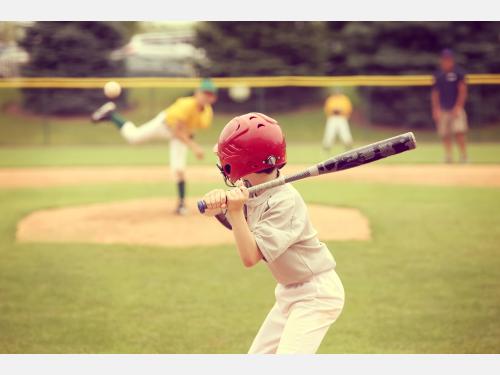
point(117, 120)
point(181, 187)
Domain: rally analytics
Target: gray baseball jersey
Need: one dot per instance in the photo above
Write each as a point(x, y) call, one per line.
point(280, 222)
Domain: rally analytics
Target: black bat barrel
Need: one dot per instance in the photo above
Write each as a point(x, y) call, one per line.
point(370, 153)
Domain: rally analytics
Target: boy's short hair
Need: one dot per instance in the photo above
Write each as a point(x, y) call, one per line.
point(267, 170)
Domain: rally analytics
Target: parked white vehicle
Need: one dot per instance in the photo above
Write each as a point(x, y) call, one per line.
point(12, 57)
point(164, 54)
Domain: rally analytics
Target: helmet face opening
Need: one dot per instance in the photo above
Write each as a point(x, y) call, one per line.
point(227, 181)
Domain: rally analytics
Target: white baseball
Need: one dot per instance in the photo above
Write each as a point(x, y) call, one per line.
point(112, 89)
point(239, 93)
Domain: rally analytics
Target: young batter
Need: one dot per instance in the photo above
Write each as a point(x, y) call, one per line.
point(178, 123)
point(277, 230)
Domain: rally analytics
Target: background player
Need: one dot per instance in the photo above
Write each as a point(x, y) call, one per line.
point(178, 123)
point(338, 109)
point(277, 230)
point(448, 96)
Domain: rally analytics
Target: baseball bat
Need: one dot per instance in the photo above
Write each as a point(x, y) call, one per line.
point(350, 159)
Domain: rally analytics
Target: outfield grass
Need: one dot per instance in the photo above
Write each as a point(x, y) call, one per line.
point(305, 125)
point(427, 282)
point(34, 141)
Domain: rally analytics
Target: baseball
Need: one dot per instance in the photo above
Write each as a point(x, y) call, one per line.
point(112, 89)
point(239, 93)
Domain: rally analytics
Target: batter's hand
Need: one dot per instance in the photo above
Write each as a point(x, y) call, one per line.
point(236, 198)
point(216, 202)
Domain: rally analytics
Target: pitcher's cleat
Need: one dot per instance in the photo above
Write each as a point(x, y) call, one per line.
point(104, 112)
point(181, 210)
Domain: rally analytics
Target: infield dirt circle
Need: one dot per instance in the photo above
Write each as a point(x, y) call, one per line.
point(152, 222)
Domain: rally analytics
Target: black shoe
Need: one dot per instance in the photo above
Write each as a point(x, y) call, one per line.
point(104, 112)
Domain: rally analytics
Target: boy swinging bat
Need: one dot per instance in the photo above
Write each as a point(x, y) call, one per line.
point(270, 223)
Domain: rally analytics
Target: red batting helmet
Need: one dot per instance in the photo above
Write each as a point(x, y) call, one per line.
point(250, 143)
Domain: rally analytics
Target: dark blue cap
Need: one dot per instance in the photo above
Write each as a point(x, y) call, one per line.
point(447, 52)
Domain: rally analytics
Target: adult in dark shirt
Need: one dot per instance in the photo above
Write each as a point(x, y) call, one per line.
point(449, 93)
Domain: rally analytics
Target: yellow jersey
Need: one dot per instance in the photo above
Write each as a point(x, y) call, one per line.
point(338, 104)
point(187, 111)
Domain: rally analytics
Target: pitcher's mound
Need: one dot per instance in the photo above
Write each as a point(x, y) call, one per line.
point(153, 222)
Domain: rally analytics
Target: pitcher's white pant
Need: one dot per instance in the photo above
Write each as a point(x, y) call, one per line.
point(157, 129)
point(336, 124)
point(301, 316)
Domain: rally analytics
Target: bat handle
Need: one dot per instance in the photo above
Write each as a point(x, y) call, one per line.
point(202, 206)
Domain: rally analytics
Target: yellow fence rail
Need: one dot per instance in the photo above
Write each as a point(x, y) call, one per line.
point(280, 81)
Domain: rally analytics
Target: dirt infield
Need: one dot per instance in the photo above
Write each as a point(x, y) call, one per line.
point(440, 175)
point(152, 222)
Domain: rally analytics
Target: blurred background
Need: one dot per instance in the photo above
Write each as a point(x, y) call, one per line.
point(426, 281)
point(56, 113)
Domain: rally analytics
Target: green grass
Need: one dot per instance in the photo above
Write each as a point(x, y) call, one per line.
point(302, 126)
point(427, 282)
point(35, 141)
point(122, 155)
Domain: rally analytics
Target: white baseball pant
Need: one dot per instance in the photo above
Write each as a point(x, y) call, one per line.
point(336, 124)
point(157, 128)
point(301, 316)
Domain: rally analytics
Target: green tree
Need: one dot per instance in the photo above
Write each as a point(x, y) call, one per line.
point(8, 32)
point(71, 49)
point(265, 49)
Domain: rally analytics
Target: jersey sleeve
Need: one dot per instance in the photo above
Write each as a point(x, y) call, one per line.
point(179, 112)
point(278, 229)
point(461, 76)
point(435, 81)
